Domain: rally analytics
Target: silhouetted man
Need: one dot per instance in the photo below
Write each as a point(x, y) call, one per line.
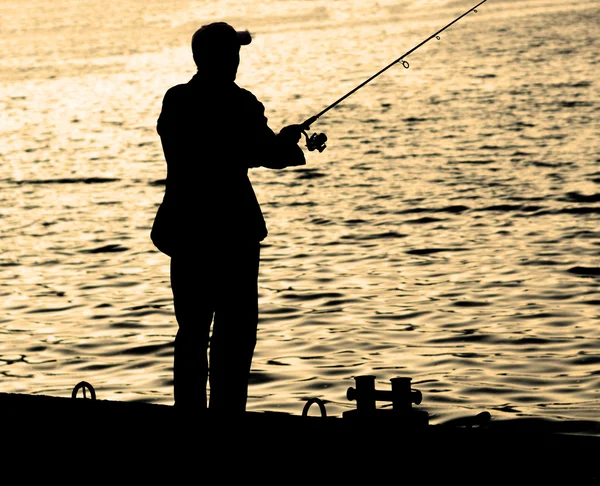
point(210, 222)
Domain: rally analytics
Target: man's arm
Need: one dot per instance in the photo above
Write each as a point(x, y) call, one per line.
point(286, 151)
point(165, 125)
point(270, 150)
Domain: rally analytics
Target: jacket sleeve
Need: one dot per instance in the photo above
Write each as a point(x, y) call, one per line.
point(165, 126)
point(284, 154)
point(270, 150)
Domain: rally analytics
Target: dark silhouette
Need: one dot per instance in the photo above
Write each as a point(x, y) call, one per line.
point(210, 222)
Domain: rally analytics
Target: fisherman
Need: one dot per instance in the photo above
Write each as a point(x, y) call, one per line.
point(210, 222)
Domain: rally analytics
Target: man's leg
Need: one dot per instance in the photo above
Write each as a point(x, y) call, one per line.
point(192, 299)
point(234, 332)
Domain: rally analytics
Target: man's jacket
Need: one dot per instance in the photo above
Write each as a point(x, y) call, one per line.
point(211, 135)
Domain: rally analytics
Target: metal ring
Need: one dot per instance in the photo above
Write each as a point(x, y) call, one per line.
point(318, 402)
point(405, 64)
point(85, 386)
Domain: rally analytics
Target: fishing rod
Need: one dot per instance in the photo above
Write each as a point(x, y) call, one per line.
point(317, 140)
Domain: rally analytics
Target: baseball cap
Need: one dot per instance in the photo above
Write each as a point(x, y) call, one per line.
point(219, 36)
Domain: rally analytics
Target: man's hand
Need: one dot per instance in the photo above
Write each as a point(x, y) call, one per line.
point(290, 134)
point(285, 152)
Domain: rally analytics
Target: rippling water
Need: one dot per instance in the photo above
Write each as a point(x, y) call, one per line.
point(450, 231)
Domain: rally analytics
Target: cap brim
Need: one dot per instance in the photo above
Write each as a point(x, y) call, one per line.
point(244, 38)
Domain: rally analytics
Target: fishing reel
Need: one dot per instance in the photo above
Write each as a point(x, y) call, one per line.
point(316, 141)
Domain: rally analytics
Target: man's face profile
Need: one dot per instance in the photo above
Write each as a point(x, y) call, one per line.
point(216, 50)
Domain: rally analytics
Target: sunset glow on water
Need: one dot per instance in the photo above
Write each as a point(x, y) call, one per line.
point(450, 232)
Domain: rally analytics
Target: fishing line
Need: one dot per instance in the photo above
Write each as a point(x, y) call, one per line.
point(317, 140)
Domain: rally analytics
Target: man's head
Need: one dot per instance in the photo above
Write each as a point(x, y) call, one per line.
point(216, 49)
